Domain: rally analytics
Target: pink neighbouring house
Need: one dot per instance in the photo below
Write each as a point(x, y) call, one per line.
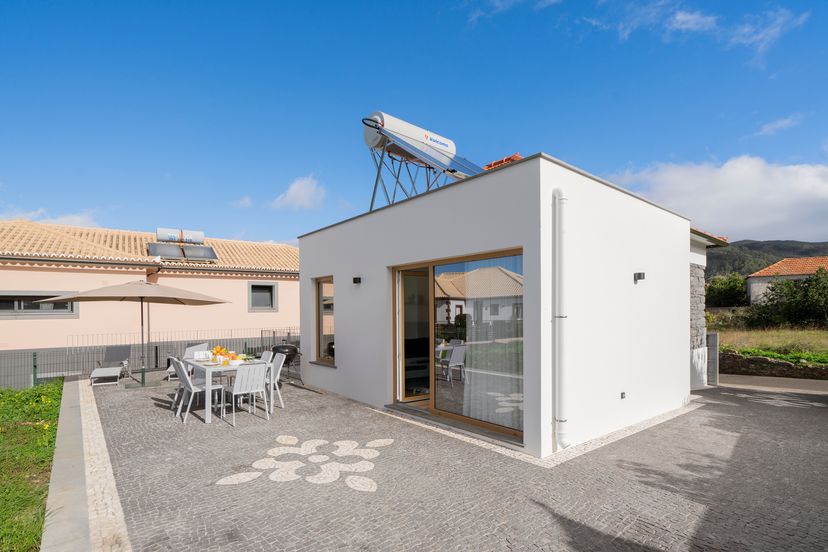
point(259, 281)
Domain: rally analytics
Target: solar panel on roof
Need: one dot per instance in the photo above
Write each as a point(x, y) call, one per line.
point(199, 252)
point(455, 165)
point(165, 250)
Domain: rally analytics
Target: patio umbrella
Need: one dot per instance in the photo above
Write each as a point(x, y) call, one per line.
point(139, 292)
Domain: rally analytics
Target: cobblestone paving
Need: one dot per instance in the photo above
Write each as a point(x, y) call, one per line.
point(747, 471)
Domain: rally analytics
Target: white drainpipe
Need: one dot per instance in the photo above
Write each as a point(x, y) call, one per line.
point(559, 320)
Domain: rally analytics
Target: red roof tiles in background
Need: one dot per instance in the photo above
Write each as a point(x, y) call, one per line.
point(505, 161)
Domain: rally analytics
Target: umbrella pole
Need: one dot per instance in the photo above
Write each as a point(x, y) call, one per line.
point(143, 350)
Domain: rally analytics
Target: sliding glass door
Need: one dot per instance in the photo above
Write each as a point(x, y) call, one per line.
point(478, 340)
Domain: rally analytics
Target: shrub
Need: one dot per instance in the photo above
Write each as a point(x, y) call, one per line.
point(726, 291)
point(793, 302)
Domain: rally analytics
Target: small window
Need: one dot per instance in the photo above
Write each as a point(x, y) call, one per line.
point(23, 304)
point(325, 351)
point(517, 311)
point(494, 309)
point(263, 297)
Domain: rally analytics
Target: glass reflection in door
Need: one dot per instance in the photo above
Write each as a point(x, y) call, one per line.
point(478, 332)
point(415, 333)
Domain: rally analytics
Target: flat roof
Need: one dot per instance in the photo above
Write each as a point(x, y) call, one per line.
point(505, 167)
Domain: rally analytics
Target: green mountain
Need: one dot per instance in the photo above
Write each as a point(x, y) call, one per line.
point(748, 256)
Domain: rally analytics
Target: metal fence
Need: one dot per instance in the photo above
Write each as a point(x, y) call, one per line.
point(23, 368)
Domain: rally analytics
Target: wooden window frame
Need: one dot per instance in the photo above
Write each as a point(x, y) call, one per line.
point(318, 283)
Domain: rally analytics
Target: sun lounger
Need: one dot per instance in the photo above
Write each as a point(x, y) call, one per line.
point(111, 372)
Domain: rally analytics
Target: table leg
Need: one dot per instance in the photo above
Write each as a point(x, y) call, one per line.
point(270, 390)
point(208, 396)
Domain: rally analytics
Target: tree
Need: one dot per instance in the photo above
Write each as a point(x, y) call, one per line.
point(795, 302)
point(817, 295)
point(726, 291)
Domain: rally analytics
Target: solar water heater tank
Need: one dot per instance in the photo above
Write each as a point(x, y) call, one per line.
point(397, 126)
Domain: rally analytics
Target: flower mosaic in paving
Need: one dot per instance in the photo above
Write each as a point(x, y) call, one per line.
point(318, 465)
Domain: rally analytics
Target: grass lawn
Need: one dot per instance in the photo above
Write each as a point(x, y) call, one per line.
point(28, 425)
point(788, 344)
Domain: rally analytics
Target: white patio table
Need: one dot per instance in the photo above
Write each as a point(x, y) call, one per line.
point(209, 369)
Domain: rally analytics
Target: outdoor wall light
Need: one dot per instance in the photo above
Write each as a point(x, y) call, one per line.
point(637, 276)
point(357, 279)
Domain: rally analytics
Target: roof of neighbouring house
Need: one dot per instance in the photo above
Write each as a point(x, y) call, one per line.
point(715, 241)
point(490, 281)
point(794, 266)
point(37, 240)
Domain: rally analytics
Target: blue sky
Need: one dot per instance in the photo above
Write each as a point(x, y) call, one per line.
point(243, 118)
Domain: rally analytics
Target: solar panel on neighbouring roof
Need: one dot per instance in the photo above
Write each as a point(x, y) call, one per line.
point(165, 250)
point(199, 252)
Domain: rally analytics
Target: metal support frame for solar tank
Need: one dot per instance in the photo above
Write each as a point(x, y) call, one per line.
point(406, 160)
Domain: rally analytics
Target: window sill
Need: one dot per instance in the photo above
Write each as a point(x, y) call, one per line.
point(38, 316)
point(322, 363)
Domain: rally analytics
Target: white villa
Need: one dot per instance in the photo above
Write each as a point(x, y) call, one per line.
point(553, 309)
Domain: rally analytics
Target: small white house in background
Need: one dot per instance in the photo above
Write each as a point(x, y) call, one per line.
point(589, 333)
point(794, 268)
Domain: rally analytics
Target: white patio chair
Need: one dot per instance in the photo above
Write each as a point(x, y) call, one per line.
point(250, 381)
point(189, 352)
point(456, 361)
point(176, 366)
point(191, 387)
point(276, 364)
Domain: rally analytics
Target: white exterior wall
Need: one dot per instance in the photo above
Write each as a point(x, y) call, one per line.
point(757, 286)
point(411, 232)
point(621, 336)
point(698, 253)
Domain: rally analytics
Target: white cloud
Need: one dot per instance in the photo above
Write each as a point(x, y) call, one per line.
point(646, 15)
point(72, 219)
point(691, 21)
point(760, 32)
point(243, 202)
point(771, 128)
point(492, 7)
point(12, 212)
point(39, 215)
point(541, 4)
point(744, 198)
point(303, 193)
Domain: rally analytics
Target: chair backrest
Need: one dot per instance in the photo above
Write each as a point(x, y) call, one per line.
point(277, 364)
point(454, 342)
point(267, 356)
point(191, 349)
point(115, 354)
point(182, 374)
point(250, 378)
point(458, 356)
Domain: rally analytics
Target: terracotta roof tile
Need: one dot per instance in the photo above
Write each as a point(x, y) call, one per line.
point(795, 266)
point(23, 238)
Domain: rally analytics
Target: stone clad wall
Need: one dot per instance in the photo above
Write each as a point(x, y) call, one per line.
point(698, 328)
point(731, 362)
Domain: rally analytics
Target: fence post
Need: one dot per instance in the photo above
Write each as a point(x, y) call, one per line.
point(713, 358)
point(34, 368)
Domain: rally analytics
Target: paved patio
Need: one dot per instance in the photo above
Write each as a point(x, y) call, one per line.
point(745, 471)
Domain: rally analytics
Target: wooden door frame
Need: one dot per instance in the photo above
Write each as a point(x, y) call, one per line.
point(399, 326)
